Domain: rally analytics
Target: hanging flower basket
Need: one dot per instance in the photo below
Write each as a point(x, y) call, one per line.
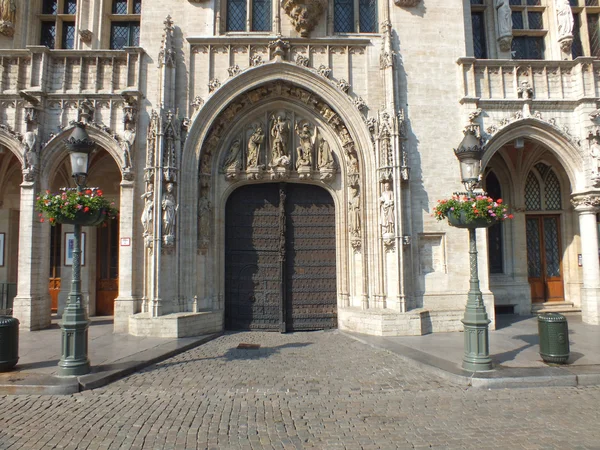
point(480, 211)
point(87, 208)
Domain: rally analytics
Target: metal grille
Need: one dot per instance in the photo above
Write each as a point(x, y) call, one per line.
point(120, 7)
point(367, 14)
point(534, 20)
point(534, 259)
point(552, 192)
point(517, 20)
point(68, 35)
point(479, 44)
point(236, 15)
point(593, 34)
point(48, 34)
point(577, 46)
point(261, 15)
point(70, 6)
point(343, 16)
point(50, 7)
point(533, 200)
point(137, 6)
point(551, 247)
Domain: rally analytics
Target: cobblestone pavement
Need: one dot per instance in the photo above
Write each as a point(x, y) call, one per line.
point(304, 390)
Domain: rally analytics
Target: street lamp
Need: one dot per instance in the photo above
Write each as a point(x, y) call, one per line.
point(74, 344)
point(476, 334)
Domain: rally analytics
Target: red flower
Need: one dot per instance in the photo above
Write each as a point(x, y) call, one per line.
point(88, 191)
point(499, 201)
point(86, 209)
point(99, 192)
point(51, 219)
point(510, 216)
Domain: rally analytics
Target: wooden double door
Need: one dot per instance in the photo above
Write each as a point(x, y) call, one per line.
point(280, 258)
point(107, 268)
point(544, 258)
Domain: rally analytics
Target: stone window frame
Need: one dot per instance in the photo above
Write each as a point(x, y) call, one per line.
point(59, 19)
point(581, 13)
point(221, 22)
point(356, 14)
point(525, 8)
point(131, 18)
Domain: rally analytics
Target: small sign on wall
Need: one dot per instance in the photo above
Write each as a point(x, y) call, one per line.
point(125, 242)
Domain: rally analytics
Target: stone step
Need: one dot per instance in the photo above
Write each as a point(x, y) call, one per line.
point(556, 307)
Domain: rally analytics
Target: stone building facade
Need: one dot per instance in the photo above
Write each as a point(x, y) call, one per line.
point(276, 163)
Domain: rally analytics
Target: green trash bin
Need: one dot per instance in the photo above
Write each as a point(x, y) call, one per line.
point(9, 343)
point(554, 338)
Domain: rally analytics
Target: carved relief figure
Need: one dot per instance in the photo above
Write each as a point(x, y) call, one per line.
point(147, 214)
point(127, 144)
point(233, 161)
point(325, 160)
point(564, 17)
point(279, 133)
point(386, 205)
point(204, 209)
point(304, 151)
point(254, 143)
point(354, 224)
point(169, 207)
point(504, 17)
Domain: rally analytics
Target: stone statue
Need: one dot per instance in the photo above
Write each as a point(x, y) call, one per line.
point(204, 208)
point(386, 206)
point(233, 161)
point(169, 207)
point(354, 224)
point(127, 144)
point(325, 160)
point(254, 143)
point(8, 12)
point(504, 17)
point(595, 154)
point(148, 213)
point(304, 151)
point(564, 17)
point(31, 156)
point(279, 134)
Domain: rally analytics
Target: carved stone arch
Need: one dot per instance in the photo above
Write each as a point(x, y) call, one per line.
point(544, 133)
point(12, 144)
point(51, 153)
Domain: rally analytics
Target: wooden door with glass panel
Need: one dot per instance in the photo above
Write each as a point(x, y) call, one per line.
point(107, 269)
point(55, 266)
point(544, 258)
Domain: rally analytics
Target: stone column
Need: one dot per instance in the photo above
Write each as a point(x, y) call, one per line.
point(32, 303)
point(587, 207)
point(126, 303)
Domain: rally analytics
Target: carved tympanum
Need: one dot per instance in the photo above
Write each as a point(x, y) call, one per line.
point(304, 14)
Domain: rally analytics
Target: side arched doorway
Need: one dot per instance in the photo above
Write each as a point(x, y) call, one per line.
point(280, 258)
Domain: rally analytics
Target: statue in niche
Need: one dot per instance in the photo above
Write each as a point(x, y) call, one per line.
point(595, 154)
point(31, 156)
point(127, 144)
point(304, 151)
point(564, 17)
point(233, 161)
point(169, 207)
point(8, 12)
point(254, 143)
point(204, 208)
point(148, 213)
point(354, 212)
point(504, 17)
point(279, 134)
point(325, 160)
point(386, 205)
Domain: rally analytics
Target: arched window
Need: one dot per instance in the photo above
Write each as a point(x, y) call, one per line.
point(533, 198)
point(255, 14)
point(542, 179)
point(355, 16)
point(495, 232)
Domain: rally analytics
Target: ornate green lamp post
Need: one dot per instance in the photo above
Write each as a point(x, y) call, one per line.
point(74, 346)
point(475, 320)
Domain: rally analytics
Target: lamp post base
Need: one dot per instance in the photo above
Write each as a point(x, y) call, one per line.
point(75, 324)
point(477, 344)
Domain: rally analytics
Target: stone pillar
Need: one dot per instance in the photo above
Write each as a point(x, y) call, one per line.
point(32, 303)
point(587, 207)
point(126, 303)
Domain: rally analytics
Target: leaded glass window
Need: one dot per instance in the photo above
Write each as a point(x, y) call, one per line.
point(552, 188)
point(261, 15)
point(533, 198)
point(119, 7)
point(48, 35)
point(137, 6)
point(50, 7)
point(496, 231)
point(577, 46)
point(68, 35)
point(124, 34)
point(236, 15)
point(367, 13)
point(527, 47)
point(479, 42)
point(550, 247)
point(70, 7)
point(343, 16)
point(586, 34)
point(593, 34)
point(534, 255)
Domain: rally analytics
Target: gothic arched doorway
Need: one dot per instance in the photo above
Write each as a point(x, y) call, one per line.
point(280, 258)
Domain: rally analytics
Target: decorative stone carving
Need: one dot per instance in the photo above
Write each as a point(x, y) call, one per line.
point(565, 22)
point(325, 162)
point(343, 85)
point(197, 103)
point(279, 140)
point(166, 55)
point(213, 85)
point(279, 48)
point(360, 104)
point(256, 60)
point(594, 140)
point(233, 161)
point(31, 157)
point(304, 14)
point(589, 201)
point(234, 70)
point(254, 143)
point(204, 219)
point(86, 111)
point(301, 60)
point(324, 71)
point(407, 3)
point(8, 12)
point(304, 152)
point(504, 20)
point(386, 58)
point(387, 218)
point(354, 220)
point(169, 215)
point(127, 141)
point(525, 91)
point(85, 36)
point(148, 214)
